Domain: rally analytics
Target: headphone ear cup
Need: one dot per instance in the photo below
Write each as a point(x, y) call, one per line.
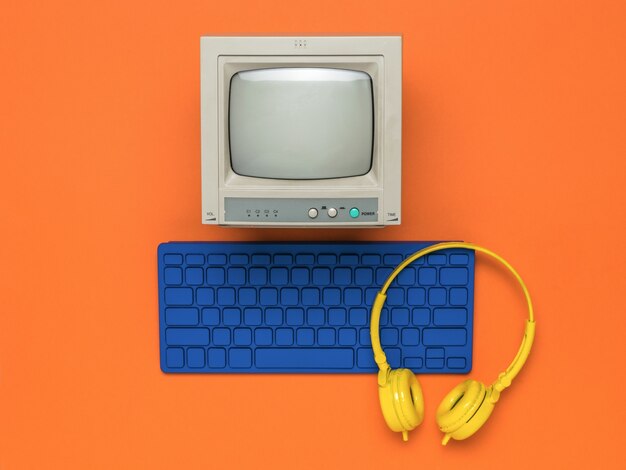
point(464, 410)
point(402, 401)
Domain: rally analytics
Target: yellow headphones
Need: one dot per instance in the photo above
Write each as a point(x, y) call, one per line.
point(466, 408)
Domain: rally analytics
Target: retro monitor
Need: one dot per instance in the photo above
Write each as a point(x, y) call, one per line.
point(301, 131)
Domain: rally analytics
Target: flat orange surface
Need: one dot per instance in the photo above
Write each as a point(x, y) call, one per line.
point(514, 116)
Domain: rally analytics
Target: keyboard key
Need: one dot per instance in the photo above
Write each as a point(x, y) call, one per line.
point(444, 337)
point(221, 336)
point(382, 274)
point(349, 259)
point(295, 316)
point(239, 258)
point(261, 259)
point(336, 316)
point(458, 296)
point(352, 296)
point(216, 259)
point(178, 296)
point(194, 276)
point(258, 276)
point(217, 358)
point(181, 316)
point(413, 362)
point(358, 316)
point(252, 316)
point(453, 276)
point(436, 296)
point(304, 358)
point(305, 336)
point(321, 276)
point(215, 276)
point(393, 260)
point(173, 259)
point(388, 336)
point(305, 259)
point(394, 357)
point(236, 276)
point(283, 258)
point(364, 337)
point(365, 358)
point(300, 276)
point(399, 316)
point(273, 316)
point(456, 362)
point(416, 296)
point(268, 296)
point(284, 336)
point(263, 336)
point(410, 336)
point(195, 259)
point(232, 316)
point(427, 276)
point(242, 336)
point(395, 296)
point(175, 357)
point(332, 296)
point(279, 276)
point(436, 259)
point(326, 258)
point(226, 296)
point(421, 316)
point(450, 316)
point(173, 276)
point(315, 316)
point(434, 363)
point(342, 276)
point(289, 296)
point(347, 336)
point(210, 316)
point(310, 296)
point(461, 259)
point(205, 296)
point(195, 357)
point(370, 295)
point(363, 276)
point(326, 337)
point(187, 336)
point(407, 276)
point(247, 296)
point(240, 358)
point(372, 260)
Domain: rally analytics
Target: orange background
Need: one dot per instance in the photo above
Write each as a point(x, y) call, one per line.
point(514, 117)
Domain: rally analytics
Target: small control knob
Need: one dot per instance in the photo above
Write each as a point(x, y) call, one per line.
point(332, 212)
point(313, 212)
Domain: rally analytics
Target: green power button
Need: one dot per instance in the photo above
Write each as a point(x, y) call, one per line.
point(354, 212)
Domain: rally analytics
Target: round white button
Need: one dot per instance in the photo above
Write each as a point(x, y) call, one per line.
point(332, 212)
point(312, 212)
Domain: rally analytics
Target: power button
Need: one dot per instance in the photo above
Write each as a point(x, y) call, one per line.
point(354, 213)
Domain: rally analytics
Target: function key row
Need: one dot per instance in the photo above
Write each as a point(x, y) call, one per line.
point(263, 259)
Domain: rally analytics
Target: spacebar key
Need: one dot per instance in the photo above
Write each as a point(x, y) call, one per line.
point(304, 358)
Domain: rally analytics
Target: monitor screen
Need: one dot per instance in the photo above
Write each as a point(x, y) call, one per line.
point(301, 123)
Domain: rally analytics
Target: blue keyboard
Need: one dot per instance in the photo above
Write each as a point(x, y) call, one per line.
point(304, 307)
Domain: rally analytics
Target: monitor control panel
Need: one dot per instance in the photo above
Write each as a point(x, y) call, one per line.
point(301, 210)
